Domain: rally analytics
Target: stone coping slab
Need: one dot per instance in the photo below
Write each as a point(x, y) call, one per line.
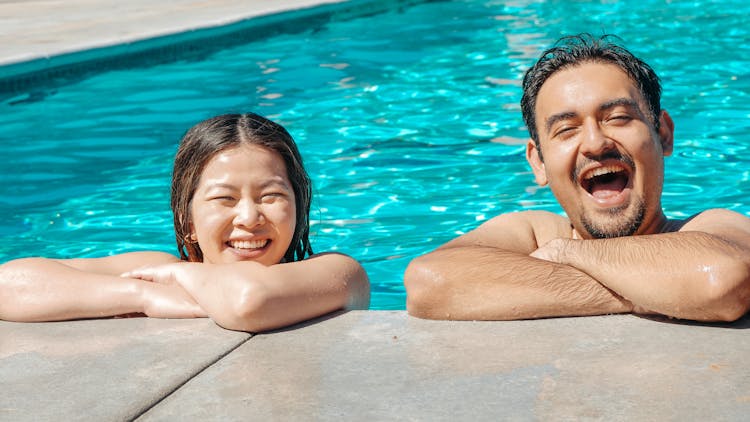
point(385, 365)
point(96, 370)
point(33, 29)
point(376, 365)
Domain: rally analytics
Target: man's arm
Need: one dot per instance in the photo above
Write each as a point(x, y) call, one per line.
point(701, 272)
point(487, 274)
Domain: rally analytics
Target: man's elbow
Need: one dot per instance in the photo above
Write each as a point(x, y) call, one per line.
point(423, 289)
point(729, 290)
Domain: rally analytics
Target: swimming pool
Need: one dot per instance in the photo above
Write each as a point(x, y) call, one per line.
point(408, 122)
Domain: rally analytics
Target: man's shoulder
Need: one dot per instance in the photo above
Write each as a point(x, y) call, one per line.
point(535, 226)
point(540, 221)
point(716, 217)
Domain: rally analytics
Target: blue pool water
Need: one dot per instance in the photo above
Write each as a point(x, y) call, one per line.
point(408, 122)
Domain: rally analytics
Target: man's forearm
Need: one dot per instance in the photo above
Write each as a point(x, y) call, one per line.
point(690, 275)
point(483, 283)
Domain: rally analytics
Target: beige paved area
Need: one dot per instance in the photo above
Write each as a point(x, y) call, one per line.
point(376, 365)
point(365, 365)
point(32, 29)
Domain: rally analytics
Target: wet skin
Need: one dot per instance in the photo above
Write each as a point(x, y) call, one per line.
point(603, 156)
point(243, 208)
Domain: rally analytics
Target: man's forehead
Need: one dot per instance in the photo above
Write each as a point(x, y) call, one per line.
point(589, 84)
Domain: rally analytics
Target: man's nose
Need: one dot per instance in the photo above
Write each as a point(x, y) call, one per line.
point(248, 214)
point(595, 141)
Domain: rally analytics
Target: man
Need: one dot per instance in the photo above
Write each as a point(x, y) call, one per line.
point(598, 139)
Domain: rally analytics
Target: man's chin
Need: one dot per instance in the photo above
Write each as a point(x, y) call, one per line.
point(614, 222)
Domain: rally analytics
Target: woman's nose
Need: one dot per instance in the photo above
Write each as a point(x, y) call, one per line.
point(248, 214)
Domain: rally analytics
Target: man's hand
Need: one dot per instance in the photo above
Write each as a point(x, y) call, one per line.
point(552, 251)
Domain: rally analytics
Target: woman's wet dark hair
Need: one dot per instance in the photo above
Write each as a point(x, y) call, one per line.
point(577, 49)
point(209, 137)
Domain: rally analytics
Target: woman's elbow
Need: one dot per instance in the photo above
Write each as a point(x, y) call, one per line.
point(247, 312)
point(422, 285)
point(358, 289)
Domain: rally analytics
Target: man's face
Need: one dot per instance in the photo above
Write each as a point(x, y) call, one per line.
point(603, 157)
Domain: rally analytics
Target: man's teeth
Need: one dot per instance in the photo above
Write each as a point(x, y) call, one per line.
point(601, 171)
point(248, 244)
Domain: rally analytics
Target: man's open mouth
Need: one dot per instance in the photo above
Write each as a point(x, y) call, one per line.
point(606, 181)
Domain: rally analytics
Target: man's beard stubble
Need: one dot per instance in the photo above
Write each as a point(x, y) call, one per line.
point(611, 229)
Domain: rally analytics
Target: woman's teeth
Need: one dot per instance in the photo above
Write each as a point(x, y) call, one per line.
point(248, 244)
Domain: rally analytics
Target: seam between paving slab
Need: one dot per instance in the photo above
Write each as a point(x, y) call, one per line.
point(147, 408)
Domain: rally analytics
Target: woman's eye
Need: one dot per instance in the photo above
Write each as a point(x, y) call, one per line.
point(222, 198)
point(272, 196)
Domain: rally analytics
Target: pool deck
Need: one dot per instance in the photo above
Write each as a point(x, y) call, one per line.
point(376, 365)
point(34, 29)
point(364, 365)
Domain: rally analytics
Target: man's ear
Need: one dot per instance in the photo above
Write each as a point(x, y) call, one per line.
point(666, 133)
point(533, 156)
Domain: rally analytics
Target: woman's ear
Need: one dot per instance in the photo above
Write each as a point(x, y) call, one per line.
point(666, 133)
point(191, 237)
point(534, 157)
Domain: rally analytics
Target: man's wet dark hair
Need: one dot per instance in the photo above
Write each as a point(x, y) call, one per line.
point(585, 48)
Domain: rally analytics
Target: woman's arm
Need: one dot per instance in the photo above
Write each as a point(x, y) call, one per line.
point(40, 289)
point(248, 296)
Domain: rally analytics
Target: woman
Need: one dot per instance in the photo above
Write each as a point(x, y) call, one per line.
point(241, 203)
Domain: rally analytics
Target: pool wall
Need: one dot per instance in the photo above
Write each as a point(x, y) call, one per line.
point(179, 31)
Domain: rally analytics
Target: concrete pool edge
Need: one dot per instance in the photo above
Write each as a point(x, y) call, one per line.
point(377, 365)
point(161, 39)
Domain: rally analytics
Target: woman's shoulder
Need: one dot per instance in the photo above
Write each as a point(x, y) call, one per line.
point(120, 263)
point(329, 259)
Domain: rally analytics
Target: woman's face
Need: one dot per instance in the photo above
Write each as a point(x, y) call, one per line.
point(244, 207)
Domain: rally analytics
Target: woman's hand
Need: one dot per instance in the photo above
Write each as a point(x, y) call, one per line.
point(162, 274)
point(164, 297)
point(169, 301)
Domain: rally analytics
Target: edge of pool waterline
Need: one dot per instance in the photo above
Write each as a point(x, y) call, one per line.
point(36, 29)
point(43, 41)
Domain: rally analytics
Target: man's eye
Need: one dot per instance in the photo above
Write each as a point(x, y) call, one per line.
point(565, 130)
point(620, 118)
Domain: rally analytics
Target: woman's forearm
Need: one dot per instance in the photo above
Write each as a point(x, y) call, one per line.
point(39, 289)
point(248, 296)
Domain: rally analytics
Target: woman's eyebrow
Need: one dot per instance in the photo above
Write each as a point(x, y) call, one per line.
point(221, 185)
point(274, 181)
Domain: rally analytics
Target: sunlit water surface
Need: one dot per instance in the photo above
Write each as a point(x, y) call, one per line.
point(408, 122)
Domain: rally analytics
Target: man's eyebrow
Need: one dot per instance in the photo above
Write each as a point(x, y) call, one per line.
point(624, 102)
point(551, 120)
